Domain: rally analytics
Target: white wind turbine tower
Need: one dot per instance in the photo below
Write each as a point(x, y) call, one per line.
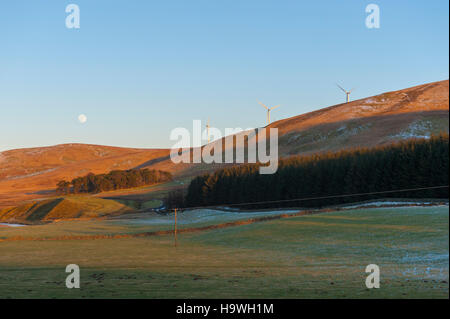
point(268, 110)
point(347, 93)
point(207, 131)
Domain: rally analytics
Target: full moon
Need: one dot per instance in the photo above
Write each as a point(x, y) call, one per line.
point(82, 118)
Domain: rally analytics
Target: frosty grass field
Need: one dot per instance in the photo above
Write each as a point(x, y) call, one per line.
point(315, 256)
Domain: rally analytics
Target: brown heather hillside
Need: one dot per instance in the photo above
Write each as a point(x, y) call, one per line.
point(423, 98)
point(33, 172)
point(419, 111)
point(416, 112)
point(410, 113)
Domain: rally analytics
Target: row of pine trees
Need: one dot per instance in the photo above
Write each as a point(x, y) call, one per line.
point(405, 165)
point(114, 180)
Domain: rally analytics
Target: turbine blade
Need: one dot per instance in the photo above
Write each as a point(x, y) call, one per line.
point(274, 107)
point(351, 90)
point(341, 88)
point(263, 105)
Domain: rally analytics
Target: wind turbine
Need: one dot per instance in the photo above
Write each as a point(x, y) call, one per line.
point(207, 131)
point(347, 93)
point(268, 110)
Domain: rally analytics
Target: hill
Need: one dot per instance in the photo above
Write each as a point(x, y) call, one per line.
point(34, 172)
point(62, 208)
point(418, 111)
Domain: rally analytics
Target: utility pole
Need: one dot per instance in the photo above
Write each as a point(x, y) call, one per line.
point(175, 230)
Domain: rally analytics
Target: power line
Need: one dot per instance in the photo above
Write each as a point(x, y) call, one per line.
point(321, 197)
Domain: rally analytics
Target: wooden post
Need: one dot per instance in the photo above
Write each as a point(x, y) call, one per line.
point(175, 231)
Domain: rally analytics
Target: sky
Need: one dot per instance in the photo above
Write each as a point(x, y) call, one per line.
point(139, 69)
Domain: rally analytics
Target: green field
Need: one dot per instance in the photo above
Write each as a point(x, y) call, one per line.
point(316, 256)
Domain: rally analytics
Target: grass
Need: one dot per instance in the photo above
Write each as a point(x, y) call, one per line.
point(158, 191)
point(317, 256)
point(90, 205)
point(73, 206)
point(140, 204)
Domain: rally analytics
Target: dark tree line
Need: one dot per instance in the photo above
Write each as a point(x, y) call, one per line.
point(114, 180)
point(175, 199)
point(404, 165)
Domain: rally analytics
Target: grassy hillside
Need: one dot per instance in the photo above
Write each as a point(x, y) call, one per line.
point(62, 208)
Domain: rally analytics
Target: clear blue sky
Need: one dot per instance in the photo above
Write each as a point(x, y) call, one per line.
point(138, 69)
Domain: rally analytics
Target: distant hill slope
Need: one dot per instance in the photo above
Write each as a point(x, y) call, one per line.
point(23, 172)
point(62, 208)
point(24, 163)
point(423, 98)
point(413, 112)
